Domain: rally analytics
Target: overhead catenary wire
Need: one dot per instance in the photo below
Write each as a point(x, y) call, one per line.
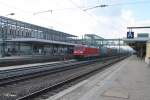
point(21, 11)
point(91, 15)
point(54, 10)
point(79, 7)
point(100, 5)
point(117, 4)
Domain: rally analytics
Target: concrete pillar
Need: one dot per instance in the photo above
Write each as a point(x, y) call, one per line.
point(0, 51)
point(0, 48)
point(141, 51)
point(147, 57)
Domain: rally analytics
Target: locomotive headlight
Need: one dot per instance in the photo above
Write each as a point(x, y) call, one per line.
point(81, 51)
point(75, 51)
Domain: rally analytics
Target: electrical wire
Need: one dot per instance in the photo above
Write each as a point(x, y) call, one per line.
point(91, 15)
point(94, 7)
point(21, 11)
point(119, 4)
point(53, 10)
point(79, 7)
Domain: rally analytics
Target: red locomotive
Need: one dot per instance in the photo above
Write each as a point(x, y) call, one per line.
point(86, 52)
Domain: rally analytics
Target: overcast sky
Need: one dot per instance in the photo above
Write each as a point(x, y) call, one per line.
point(68, 15)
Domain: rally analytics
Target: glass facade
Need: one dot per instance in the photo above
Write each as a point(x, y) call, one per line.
point(13, 29)
point(16, 29)
point(93, 40)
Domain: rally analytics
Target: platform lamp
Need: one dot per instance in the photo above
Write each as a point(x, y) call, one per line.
point(4, 37)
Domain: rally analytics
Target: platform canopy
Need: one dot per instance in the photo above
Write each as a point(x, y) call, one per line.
point(40, 41)
point(126, 40)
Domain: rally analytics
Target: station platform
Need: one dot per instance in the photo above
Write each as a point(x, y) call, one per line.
point(25, 57)
point(126, 80)
point(31, 59)
point(31, 65)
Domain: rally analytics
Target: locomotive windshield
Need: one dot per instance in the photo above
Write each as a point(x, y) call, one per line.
point(79, 48)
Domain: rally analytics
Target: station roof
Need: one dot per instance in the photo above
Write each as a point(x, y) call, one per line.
point(94, 36)
point(141, 27)
point(28, 25)
point(137, 39)
point(137, 43)
point(34, 40)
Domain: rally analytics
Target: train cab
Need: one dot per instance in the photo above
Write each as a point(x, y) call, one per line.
point(79, 51)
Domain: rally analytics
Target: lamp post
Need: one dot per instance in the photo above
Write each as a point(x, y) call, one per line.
point(4, 37)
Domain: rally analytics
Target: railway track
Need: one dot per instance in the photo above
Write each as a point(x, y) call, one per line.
point(18, 74)
point(46, 70)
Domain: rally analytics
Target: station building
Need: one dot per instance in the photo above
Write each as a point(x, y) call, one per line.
point(21, 38)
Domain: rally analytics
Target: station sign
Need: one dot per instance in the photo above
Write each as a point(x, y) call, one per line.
point(130, 35)
point(143, 35)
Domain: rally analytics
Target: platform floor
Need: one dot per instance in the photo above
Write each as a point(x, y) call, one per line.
point(31, 65)
point(29, 59)
point(126, 80)
point(19, 57)
point(26, 57)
